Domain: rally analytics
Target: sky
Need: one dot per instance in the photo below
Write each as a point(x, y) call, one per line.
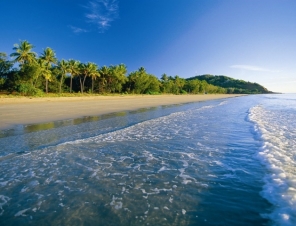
point(252, 40)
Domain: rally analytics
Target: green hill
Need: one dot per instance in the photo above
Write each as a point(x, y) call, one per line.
point(232, 85)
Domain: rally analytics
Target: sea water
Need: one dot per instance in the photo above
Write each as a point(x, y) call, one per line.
point(221, 162)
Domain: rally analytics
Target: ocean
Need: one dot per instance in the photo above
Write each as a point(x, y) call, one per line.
point(219, 162)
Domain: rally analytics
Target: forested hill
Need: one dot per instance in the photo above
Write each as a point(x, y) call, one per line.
point(232, 85)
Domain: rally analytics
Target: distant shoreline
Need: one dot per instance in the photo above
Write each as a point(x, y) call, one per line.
point(25, 111)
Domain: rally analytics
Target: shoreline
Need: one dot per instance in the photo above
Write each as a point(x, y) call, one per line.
point(30, 110)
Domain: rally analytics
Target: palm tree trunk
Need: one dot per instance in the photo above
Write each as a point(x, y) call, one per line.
point(34, 83)
point(103, 78)
point(83, 83)
point(92, 85)
point(61, 84)
point(46, 86)
point(81, 89)
point(71, 84)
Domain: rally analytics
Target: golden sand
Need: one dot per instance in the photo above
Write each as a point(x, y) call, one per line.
point(14, 111)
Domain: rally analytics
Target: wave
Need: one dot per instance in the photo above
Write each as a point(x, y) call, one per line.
point(277, 132)
point(161, 128)
point(124, 171)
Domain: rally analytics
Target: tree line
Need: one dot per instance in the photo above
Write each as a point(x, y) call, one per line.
point(232, 85)
point(30, 74)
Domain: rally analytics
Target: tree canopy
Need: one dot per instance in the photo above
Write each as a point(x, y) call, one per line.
point(232, 85)
point(29, 74)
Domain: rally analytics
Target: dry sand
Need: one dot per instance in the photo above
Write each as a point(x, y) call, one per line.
point(15, 111)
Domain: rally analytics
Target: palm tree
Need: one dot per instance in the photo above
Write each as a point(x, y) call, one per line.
point(164, 78)
point(23, 53)
point(43, 70)
point(88, 69)
point(73, 70)
point(94, 75)
point(119, 77)
point(121, 71)
point(142, 70)
point(49, 57)
point(179, 83)
point(64, 69)
point(104, 72)
point(164, 83)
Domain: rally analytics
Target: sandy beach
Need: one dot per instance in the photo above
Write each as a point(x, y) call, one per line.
point(15, 111)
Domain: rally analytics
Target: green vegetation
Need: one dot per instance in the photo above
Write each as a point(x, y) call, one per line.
point(232, 85)
point(30, 75)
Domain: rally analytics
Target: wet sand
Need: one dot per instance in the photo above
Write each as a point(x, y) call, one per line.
point(24, 110)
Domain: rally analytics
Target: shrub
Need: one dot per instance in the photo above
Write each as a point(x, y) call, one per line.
point(28, 89)
point(152, 93)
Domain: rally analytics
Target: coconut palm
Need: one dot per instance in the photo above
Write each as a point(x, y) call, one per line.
point(104, 72)
point(94, 75)
point(120, 71)
point(49, 57)
point(64, 69)
point(88, 69)
point(23, 53)
point(142, 70)
point(179, 83)
point(139, 81)
point(118, 77)
point(43, 70)
point(73, 69)
point(164, 78)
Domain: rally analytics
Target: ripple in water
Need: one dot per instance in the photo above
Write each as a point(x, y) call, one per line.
point(185, 168)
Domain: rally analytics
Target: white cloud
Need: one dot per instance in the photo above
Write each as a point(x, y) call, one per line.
point(101, 13)
point(252, 68)
point(78, 30)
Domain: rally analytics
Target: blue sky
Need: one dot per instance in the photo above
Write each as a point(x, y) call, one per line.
point(253, 40)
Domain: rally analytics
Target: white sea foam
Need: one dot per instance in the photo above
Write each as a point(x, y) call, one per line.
point(4, 183)
point(154, 129)
point(3, 201)
point(115, 203)
point(21, 213)
point(24, 189)
point(276, 130)
point(159, 170)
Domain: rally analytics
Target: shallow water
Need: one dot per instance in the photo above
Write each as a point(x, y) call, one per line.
point(194, 164)
point(275, 128)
